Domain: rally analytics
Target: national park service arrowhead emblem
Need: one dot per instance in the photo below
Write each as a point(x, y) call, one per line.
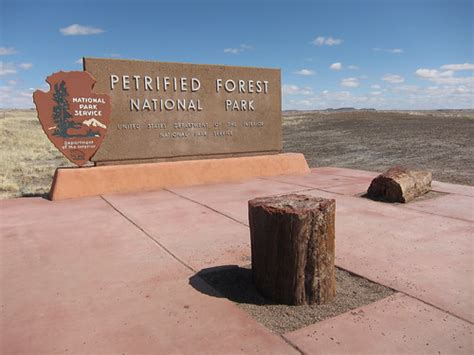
point(73, 117)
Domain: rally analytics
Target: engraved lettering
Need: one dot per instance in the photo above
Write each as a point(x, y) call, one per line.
point(126, 82)
point(135, 104)
point(147, 81)
point(114, 79)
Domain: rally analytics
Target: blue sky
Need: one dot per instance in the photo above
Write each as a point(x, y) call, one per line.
point(414, 54)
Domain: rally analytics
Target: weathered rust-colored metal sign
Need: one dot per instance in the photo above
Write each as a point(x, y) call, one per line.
point(74, 119)
point(173, 111)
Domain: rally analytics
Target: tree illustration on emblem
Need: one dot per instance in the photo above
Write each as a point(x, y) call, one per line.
point(61, 116)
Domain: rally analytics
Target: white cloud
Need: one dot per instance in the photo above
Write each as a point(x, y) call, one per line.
point(305, 72)
point(336, 66)
point(375, 86)
point(296, 90)
point(327, 99)
point(393, 78)
point(12, 82)
point(7, 68)
point(79, 61)
point(456, 67)
point(327, 41)
point(12, 68)
point(25, 66)
point(11, 98)
point(412, 97)
point(350, 82)
point(240, 49)
point(410, 89)
point(7, 51)
point(352, 67)
point(79, 30)
point(445, 77)
point(464, 90)
point(389, 50)
point(232, 50)
point(427, 73)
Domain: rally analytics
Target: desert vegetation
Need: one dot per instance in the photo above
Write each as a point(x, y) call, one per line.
point(440, 141)
point(27, 158)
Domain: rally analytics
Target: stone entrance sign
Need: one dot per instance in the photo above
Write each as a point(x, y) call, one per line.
point(173, 111)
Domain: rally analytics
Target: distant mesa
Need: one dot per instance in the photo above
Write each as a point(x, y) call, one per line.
point(341, 109)
point(94, 123)
point(330, 109)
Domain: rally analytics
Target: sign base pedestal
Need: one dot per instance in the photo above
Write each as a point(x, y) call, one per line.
point(99, 180)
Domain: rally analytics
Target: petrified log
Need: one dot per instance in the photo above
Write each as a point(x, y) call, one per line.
point(399, 184)
point(292, 241)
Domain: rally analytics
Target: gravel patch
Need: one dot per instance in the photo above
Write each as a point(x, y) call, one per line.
point(235, 284)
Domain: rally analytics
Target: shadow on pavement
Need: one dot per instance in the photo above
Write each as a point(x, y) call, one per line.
point(230, 281)
point(44, 195)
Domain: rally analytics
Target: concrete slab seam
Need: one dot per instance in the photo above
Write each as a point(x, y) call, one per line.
point(307, 186)
point(205, 206)
point(351, 176)
point(451, 193)
point(223, 214)
point(362, 276)
point(435, 214)
point(342, 194)
point(148, 235)
point(294, 346)
point(406, 294)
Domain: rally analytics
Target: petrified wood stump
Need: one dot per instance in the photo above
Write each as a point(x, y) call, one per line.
point(399, 184)
point(292, 239)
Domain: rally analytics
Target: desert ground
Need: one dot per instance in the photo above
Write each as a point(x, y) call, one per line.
point(440, 141)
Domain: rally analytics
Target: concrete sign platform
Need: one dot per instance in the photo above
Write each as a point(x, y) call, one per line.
point(118, 281)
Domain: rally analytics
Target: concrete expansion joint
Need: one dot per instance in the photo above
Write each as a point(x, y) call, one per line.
point(206, 206)
point(451, 193)
point(296, 191)
point(285, 182)
point(307, 187)
point(406, 294)
point(438, 214)
point(130, 220)
point(174, 256)
point(405, 206)
point(437, 307)
point(294, 346)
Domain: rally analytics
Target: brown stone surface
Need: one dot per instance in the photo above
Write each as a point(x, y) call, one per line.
point(205, 127)
point(74, 119)
point(99, 180)
point(292, 242)
point(399, 184)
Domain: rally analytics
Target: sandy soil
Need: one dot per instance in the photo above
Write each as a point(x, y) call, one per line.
point(374, 141)
point(235, 283)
